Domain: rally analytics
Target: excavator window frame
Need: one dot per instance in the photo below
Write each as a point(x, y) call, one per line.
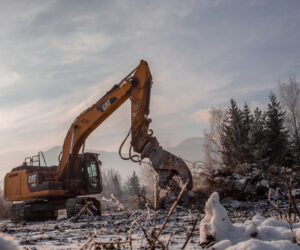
point(92, 158)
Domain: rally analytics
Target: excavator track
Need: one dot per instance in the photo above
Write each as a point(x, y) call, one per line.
point(32, 211)
point(74, 206)
point(17, 212)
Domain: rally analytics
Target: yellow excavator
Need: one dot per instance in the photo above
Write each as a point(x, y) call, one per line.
point(43, 190)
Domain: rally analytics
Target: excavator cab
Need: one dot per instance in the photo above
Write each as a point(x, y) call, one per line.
point(84, 175)
point(92, 175)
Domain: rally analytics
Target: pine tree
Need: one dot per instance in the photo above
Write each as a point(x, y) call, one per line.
point(117, 191)
point(247, 120)
point(133, 184)
point(232, 137)
point(276, 134)
point(257, 139)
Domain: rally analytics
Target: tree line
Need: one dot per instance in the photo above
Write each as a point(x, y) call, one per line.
point(112, 184)
point(241, 140)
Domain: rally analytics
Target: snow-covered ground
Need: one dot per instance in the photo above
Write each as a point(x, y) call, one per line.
point(236, 227)
point(217, 230)
point(62, 233)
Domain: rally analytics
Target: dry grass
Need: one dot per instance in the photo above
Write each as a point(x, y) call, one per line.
point(151, 235)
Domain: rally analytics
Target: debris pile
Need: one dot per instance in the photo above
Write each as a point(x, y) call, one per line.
point(253, 185)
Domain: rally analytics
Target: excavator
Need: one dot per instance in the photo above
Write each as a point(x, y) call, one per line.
point(38, 192)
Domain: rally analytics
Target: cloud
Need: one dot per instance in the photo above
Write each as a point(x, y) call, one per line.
point(57, 59)
point(202, 115)
point(8, 78)
point(255, 104)
point(78, 45)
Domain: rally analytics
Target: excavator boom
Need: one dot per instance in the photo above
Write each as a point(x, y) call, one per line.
point(46, 189)
point(137, 87)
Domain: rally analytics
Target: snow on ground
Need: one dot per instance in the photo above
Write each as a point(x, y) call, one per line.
point(64, 234)
point(233, 225)
point(217, 230)
point(7, 243)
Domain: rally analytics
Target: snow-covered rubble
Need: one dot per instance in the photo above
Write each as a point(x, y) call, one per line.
point(217, 230)
point(231, 224)
point(245, 185)
point(65, 234)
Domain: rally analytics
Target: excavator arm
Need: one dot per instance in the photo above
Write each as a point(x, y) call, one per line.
point(137, 87)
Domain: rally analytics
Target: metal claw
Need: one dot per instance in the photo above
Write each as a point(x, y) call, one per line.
point(168, 165)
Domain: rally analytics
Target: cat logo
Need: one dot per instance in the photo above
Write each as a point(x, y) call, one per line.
point(106, 104)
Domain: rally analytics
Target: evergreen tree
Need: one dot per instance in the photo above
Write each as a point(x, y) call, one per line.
point(117, 191)
point(276, 134)
point(133, 184)
point(247, 120)
point(232, 137)
point(257, 139)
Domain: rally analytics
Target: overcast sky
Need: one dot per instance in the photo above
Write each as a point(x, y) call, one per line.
point(59, 57)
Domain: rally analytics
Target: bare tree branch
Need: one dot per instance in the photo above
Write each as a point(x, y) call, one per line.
point(169, 215)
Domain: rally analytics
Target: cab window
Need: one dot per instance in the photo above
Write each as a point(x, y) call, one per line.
point(92, 173)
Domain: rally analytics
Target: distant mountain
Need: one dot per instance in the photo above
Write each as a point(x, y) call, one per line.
point(190, 149)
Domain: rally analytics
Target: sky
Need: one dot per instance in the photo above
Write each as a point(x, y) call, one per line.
point(59, 57)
